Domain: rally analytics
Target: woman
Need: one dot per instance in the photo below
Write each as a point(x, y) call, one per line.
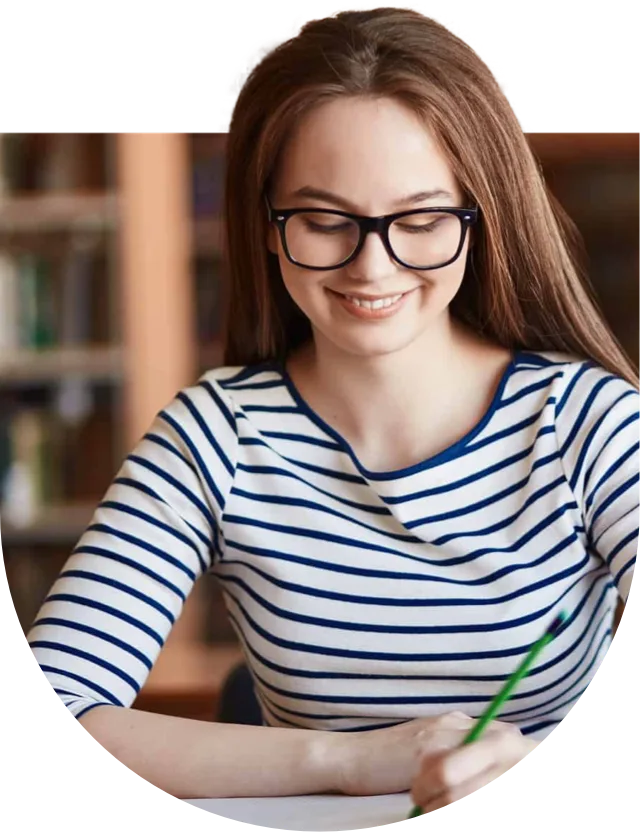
point(422, 446)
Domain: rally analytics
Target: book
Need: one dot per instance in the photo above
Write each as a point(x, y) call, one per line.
point(30, 463)
point(36, 302)
point(12, 162)
point(9, 303)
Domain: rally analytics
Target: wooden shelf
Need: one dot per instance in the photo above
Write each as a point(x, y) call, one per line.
point(29, 213)
point(55, 525)
point(583, 147)
point(38, 366)
point(186, 680)
point(190, 666)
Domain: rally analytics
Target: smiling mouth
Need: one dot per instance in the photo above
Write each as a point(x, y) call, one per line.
point(373, 301)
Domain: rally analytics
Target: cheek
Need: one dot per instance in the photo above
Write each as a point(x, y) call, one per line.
point(303, 285)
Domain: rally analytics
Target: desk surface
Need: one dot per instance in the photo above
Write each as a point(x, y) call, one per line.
point(387, 813)
point(607, 761)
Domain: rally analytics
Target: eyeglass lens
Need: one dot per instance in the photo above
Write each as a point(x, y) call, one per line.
point(422, 240)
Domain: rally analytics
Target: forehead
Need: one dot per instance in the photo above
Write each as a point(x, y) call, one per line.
point(364, 149)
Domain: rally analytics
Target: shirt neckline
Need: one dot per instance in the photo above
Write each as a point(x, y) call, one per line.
point(442, 456)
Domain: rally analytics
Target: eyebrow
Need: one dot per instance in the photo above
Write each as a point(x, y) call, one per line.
point(327, 196)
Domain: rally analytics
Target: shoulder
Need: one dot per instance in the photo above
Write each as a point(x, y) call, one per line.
point(220, 392)
point(209, 401)
point(588, 401)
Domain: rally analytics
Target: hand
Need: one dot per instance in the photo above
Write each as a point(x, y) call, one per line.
point(386, 760)
point(445, 777)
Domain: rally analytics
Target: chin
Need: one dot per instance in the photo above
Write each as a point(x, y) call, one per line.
point(376, 344)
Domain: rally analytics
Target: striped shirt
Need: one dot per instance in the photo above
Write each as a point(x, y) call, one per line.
point(362, 599)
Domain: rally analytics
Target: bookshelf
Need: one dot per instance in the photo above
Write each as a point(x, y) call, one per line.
point(141, 215)
point(128, 211)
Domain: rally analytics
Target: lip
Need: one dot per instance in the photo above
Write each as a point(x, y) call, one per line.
point(362, 296)
point(371, 314)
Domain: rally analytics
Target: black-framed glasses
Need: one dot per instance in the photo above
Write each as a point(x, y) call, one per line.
point(324, 238)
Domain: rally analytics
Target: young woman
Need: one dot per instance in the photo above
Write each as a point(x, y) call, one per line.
point(422, 446)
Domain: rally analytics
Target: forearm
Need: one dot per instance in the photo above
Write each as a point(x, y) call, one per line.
point(190, 758)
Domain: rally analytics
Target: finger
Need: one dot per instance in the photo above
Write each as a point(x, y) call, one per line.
point(448, 770)
point(451, 795)
point(469, 761)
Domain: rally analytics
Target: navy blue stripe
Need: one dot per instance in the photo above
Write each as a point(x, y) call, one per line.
point(105, 553)
point(222, 407)
point(47, 668)
point(90, 707)
point(169, 446)
point(454, 485)
point(613, 496)
point(538, 726)
point(574, 648)
point(359, 626)
point(484, 679)
point(256, 385)
point(139, 486)
point(584, 412)
point(103, 579)
point(532, 388)
point(307, 466)
point(501, 524)
point(422, 559)
point(588, 441)
point(271, 470)
point(503, 434)
point(144, 489)
point(584, 367)
point(263, 408)
point(96, 605)
point(100, 634)
point(631, 564)
point(389, 574)
point(292, 501)
point(165, 527)
point(387, 601)
point(611, 470)
point(309, 440)
point(206, 431)
point(587, 477)
point(196, 501)
point(584, 655)
point(372, 654)
point(89, 657)
point(105, 528)
point(567, 700)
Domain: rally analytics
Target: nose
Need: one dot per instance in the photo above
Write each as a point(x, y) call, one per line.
point(373, 263)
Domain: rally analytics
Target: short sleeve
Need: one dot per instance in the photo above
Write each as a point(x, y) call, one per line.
point(597, 431)
point(107, 616)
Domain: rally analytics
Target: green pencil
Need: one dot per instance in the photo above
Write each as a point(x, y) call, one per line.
point(501, 697)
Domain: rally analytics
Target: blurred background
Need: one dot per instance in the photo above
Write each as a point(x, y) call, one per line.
point(112, 286)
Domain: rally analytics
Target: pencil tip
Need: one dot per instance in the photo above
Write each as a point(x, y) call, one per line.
point(556, 624)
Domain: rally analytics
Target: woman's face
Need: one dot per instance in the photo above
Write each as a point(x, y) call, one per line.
point(368, 156)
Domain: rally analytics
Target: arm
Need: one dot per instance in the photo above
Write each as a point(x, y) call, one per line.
point(597, 431)
point(112, 608)
point(190, 759)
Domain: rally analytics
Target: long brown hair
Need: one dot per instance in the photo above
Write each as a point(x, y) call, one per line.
point(525, 285)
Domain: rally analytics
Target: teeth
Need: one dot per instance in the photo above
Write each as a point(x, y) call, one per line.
point(382, 303)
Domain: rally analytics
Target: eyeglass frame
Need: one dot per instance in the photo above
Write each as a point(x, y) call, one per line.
point(380, 225)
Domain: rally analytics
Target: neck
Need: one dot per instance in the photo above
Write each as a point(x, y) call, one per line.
point(367, 397)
